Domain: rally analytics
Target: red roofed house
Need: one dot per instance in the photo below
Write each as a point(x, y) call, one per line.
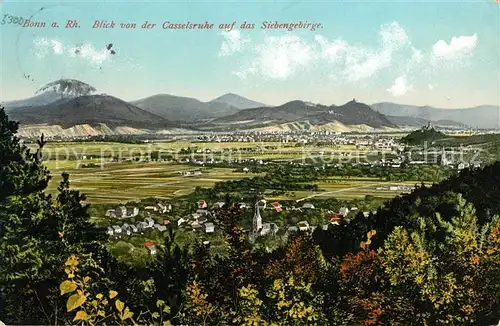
point(277, 206)
point(202, 204)
point(334, 218)
point(151, 246)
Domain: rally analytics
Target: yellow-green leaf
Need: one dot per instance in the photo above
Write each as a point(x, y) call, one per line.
point(127, 314)
point(167, 323)
point(75, 301)
point(166, 309)
point(86, 279)
point(100, 313)
point(67, 287)
point(119, 305)
point(112, 294)
point(80, 315)
point(156, 315)
point(160, 303)
point(99, 296)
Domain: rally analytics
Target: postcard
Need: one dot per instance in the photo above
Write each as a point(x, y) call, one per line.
point(276, 162)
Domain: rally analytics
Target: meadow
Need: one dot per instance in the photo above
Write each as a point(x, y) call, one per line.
point(131, 181)
point(131, 176)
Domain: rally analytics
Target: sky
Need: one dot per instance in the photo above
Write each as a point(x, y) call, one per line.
point(443, 54)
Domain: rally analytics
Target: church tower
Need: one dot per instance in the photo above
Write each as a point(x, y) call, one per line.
point(257, 219)
point(257, 222)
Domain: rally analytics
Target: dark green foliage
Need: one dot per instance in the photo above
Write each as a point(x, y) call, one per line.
point(37, 232)
point(421, 136)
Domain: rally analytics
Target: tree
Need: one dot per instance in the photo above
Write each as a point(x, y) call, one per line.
point(36, 232)
point(26, 234)
point(444, 273)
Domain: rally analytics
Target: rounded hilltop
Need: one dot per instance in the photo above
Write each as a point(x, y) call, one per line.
point(425, 134)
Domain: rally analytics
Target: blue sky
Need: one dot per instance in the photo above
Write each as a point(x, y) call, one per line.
point(444, 54)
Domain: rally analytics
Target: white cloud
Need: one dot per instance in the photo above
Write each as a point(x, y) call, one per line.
point(431, 86)
point(393, 36)
point(400, 87)
point(45, 47)
point(416, 56)
point(233, 42)
point(458, 48)
point(278, 58)
point(331, 51)
point(362, 64)
point(282, 57)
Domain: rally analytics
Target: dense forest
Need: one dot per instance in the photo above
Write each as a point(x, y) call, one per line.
point(419, 137)
point(430, 257)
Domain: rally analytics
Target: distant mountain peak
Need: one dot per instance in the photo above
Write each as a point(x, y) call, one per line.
point(91, 110)
point(484, 116)
point(237, 101)
point(297, 111)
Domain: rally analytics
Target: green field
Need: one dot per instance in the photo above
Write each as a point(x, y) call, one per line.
point(349, 189)
point(62, 151)
point(128, 180)
point(122, 182)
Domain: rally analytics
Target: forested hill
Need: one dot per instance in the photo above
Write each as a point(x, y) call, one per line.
point(477, 186)
point(419, 137)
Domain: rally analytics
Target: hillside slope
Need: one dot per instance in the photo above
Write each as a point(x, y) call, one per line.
point(485, 116)
point(185, 109)
point(92, 110)
point(351, 113)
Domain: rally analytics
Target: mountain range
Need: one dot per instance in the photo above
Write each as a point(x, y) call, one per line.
point(91, 110)
point(305, 114)
point(186, 109)
point(41, 99)
point(229, 112)
point(484, 116)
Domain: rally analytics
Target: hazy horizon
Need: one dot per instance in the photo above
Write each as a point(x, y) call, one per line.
point(213, 97)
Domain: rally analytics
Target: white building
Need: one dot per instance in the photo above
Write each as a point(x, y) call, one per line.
point(161, 228)
point(209, 227)
point(308, 206)
point(132, 211)
point(149, 221)
point(303, 226)
point(219, 204)
point(344, 211)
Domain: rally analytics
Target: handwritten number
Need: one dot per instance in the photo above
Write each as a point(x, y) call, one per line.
point(9, 19)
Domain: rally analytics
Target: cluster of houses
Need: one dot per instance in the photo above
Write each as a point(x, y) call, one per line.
point(260, 229)
point(397, 188)
point(201, 219)
point(123, 212)
point(133, 228)
point(332, 137)
point(130, 229)
point(159, 207)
